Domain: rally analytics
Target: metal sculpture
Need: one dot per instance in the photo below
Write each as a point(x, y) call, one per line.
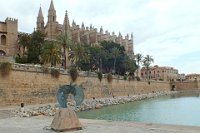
point(64, 92)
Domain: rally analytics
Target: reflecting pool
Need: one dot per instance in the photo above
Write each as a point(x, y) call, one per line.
point(179, 109)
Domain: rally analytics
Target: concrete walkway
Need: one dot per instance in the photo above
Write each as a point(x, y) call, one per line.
point(40, 124)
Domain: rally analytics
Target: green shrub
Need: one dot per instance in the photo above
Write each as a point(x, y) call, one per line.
point(109, 78)
point(73, 74)
point(100, 76)
point(5, 68)
point(125, 77)
point(21, 60)
point(55, 73)
point(137, 78)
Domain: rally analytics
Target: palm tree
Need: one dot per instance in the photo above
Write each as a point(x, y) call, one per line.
point(115, 53)
point(23, 41)
point(147, 62)
point(78, 54)
point(127, 63)
point(65, 41)
point(138, 58)
point(86, 57)
point(99, 56)
point(51, 53)
point(71, 57)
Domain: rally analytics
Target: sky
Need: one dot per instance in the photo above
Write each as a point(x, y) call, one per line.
point(168, 30)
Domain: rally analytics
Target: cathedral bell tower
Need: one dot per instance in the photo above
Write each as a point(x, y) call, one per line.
point(51, 13)
point(51, 30)
point(40, 20)
point(66, 25)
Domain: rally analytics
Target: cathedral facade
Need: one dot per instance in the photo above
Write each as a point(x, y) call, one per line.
point(79, 34)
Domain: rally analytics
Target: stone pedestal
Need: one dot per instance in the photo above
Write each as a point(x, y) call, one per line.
point(65, 120)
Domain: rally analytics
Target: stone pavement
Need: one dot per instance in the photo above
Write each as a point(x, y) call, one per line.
point(6, 114)
point(40, 124)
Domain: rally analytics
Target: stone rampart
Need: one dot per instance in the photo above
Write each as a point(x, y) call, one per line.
point(6, 59)
point(188, 85)
point(31, 85)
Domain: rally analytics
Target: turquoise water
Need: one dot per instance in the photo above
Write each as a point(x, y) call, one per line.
point(179, 109)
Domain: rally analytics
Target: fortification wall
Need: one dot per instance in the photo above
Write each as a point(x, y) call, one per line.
point(35, 87)
point(6, 59)
point(190, 85)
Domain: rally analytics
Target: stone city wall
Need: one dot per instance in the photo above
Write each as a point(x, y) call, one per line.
point(6, 59)
point(189, 85)
point(26, 85)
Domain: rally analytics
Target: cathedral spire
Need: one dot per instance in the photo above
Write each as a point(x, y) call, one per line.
point(101, 30)
point(73, 23)
point(40, 14)
point(132, 36)
point(127, 36)
point(83, 26)
point(120, 35)
point(66, 23)
point(51, 6)
point(90, 27)
point(40, 20)
point(52, 13)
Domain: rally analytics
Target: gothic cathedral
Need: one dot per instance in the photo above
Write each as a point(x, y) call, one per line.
point(85, 35)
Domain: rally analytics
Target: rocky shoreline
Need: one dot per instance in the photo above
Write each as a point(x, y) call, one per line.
point(88, 104)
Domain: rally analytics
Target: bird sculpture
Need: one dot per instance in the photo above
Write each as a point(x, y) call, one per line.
point(65, 90)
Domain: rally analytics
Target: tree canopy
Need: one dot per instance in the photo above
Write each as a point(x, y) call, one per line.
point(51, 53)
point(35, 47)
point(106, 57)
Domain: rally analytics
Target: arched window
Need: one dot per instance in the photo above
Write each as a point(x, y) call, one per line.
point(2, 53)
point(3, 40)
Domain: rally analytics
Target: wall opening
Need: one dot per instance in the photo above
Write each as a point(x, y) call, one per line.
point(173, 88)
point(3, 40)
point(2, 53)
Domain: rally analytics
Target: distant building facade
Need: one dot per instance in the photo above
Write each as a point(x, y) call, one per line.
point(193, 77)
point(181, 77)
point(8, 37)
point(79, 34)
point(159, 73)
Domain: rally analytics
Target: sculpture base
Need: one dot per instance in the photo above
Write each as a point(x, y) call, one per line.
point(65, 120)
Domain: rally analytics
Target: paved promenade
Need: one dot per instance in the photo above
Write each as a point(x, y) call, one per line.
point(40, 124)
point(5, 114)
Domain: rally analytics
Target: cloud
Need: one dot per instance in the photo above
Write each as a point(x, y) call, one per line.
point(169, 31)
point(173, 48)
